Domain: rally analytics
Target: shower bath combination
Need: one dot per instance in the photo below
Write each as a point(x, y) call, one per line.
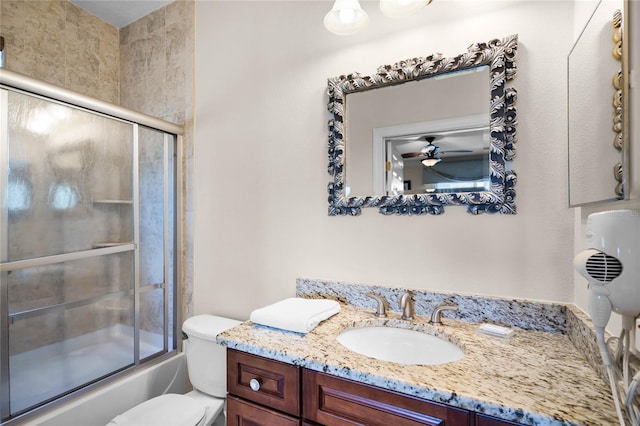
point(88, 241)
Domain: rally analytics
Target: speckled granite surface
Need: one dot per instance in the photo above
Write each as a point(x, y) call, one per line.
point(534, 378)
point(526, 315)
point(516, 313)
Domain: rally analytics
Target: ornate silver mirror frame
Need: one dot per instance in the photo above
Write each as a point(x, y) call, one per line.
point(499, 55)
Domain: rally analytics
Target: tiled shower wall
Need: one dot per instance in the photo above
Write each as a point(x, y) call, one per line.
point(57, 42)
point(146, 66)
point(156, 69)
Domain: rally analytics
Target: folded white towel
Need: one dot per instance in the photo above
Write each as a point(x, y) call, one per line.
point(295, 314)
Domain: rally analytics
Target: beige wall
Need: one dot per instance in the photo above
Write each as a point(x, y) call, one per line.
point(261, 71)
point(59, 43)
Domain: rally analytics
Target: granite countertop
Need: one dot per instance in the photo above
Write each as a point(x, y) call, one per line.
point(533, 377)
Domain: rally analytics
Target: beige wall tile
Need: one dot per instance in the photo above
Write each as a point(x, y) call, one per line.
point(155, 20)
point(137, 30)
point(133, 62)
point(132, 94)
point(109, 91)
point(175, 12)
point(109, 64)
point(49, 8)
point(164, 78)
point(108, 34)
point(175, 87)
point(49, 71)
point(79, 80)
point(82, 48)
point(44, 33)
point(156, 56)
point(176, 44)
point(60, 43)
point(12, 25)
point(74, 14)
point(125, 35)
point(155, 97)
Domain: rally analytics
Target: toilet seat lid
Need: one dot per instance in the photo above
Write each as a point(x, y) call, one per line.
point(169, 409)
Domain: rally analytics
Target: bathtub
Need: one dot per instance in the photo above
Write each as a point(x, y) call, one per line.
point(99, 406)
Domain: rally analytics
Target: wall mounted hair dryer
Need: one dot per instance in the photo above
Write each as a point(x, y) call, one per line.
point(611, 265)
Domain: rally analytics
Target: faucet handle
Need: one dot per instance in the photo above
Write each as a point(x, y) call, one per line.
point(436, 315)
point(381, 311)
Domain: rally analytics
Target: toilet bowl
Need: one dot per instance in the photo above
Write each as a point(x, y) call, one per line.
point(207, 369)
point(171, 410)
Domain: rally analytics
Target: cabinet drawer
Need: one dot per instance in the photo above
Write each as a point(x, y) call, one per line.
point(279, 383)
point(333, 401)
point(242, 413)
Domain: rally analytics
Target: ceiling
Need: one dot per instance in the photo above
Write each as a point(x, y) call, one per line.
point(120, 13)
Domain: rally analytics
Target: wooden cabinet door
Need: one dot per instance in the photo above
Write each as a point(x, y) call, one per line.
point(334, 401)
point(276, 384)
point(245, 413)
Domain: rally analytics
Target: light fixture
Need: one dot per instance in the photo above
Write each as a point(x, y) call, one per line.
point(430, 151)
point(400, 8)
point(430, 162)
point(346, 17)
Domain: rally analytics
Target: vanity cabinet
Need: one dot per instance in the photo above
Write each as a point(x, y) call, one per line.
point(241, 412)
point(264, 392)
point(261, 391)
point(330, 400)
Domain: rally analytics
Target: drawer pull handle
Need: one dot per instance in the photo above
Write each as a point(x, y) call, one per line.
point(255, 384)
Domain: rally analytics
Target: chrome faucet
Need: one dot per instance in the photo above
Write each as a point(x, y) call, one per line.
point(406, 303)
point(436, 315)
point(381, 310)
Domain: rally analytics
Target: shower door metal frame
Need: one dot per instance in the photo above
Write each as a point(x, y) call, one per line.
point(17, 82)
point(4, 289)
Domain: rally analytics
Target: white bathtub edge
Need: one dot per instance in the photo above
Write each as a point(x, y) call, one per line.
point(98, 407)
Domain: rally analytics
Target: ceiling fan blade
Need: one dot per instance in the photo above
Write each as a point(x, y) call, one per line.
point(457, 150)
point(412, 154)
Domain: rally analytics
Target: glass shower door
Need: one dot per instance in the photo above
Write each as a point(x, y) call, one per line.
point(156, 276)
point(67, 249)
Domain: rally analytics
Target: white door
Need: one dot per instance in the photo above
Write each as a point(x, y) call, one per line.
point(395, 171)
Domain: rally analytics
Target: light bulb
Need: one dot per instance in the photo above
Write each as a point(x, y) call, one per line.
point(430, 162)
point(400, 8)
point(346, 17)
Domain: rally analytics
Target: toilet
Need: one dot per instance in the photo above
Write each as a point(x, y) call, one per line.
point(207, 369)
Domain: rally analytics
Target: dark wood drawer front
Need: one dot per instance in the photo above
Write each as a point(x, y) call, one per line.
point(243, 413)
point(279, 383)
point(482, 420)
point(333, 401)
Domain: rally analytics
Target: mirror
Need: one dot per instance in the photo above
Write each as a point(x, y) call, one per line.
point(425, 133)
point(455, 133)
point(597, 131)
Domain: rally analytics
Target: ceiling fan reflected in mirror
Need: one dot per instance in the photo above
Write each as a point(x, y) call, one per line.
point(431, 152)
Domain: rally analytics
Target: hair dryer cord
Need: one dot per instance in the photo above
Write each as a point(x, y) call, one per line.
point(606, 359)
point(633, 414)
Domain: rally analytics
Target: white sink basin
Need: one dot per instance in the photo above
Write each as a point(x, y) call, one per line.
point(409, 347)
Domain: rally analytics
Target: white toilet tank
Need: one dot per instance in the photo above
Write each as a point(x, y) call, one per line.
point(206, 360)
